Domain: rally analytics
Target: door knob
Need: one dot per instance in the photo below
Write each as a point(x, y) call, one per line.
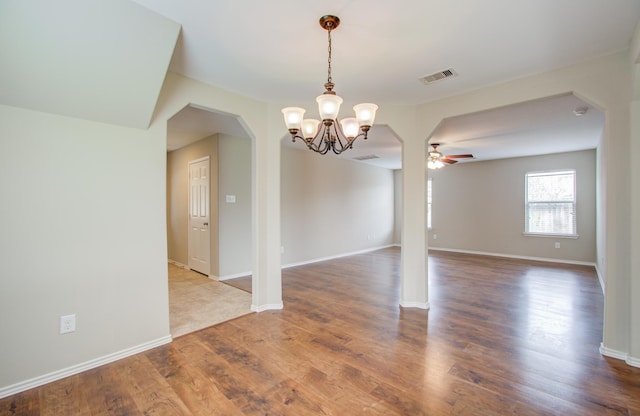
point(206, 223)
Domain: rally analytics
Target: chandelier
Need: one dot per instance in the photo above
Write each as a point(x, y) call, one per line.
point(330, 135)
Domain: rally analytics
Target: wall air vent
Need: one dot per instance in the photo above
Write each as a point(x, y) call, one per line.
point(366, 157)
point(447, 73)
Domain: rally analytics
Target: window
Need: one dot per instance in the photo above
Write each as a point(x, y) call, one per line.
point(550, 205)
point(429, 197)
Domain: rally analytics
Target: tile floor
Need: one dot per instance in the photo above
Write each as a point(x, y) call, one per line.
point(196, 301)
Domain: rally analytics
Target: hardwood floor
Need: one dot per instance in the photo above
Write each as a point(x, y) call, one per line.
point(502, 337)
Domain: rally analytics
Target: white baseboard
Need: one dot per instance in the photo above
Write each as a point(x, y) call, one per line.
point(285, 266)
point(267, 307)
point(177, 263)
point(512, 256)
point(608, 352)
point(353, 253)
point(79, 368)
point(419, 305)
point(619, 355)
point(634, 362)
point(234, 276)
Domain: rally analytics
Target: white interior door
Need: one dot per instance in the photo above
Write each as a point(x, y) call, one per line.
point(199, 238)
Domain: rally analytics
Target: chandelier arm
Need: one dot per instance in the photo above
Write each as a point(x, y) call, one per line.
point(348, 143)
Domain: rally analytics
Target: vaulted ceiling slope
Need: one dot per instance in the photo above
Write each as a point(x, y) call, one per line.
point(97, 60)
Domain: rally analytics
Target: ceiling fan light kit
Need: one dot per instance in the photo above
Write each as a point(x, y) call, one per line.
point(436, 160)
point(328, 134)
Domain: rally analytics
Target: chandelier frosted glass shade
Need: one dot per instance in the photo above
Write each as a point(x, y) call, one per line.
point(293, 117)
point(328, 106)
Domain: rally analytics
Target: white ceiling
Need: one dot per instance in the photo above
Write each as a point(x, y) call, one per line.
point(105, 60)
point(276, 51)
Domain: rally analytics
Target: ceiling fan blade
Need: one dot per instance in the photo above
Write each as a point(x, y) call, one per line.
point(449, 161)
point(459, 156)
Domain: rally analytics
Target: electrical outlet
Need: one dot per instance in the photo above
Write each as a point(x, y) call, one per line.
point(67, 323)
point(435, 236)
point(557, 244)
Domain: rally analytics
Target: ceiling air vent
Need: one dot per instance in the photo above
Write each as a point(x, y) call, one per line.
point(447, 73)
point(366, 157)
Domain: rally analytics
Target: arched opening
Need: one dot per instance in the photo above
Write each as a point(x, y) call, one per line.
point(209, 208)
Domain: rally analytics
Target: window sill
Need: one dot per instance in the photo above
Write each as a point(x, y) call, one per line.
point(572, 236)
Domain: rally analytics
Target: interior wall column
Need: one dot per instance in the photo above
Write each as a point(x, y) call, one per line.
point(413, 261)
point(267, 275)
point(414, 288)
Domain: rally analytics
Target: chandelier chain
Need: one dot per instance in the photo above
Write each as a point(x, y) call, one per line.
point(329, 58)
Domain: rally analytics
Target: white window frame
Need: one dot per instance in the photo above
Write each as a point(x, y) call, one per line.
point(527, 204)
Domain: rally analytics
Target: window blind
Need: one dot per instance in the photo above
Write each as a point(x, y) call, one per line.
point(550, 206)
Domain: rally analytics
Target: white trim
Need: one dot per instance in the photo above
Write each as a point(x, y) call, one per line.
point(513, 256)
point(79, 368)
point(235, 276)
point(184, 266)
point(634, 362)
point(202, 159)
point(419, 305)
point(177, 263)
point(608, 352)
point(267, 307)
point(550, 235)
point(286, 266)
point(302, 263)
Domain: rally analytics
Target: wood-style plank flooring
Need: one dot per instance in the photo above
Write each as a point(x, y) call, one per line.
point(502, 337)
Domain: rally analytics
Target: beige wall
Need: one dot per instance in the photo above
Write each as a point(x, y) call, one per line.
point(234, 178)
point(332, 206)
point(359, 197)
point(479, 206)
point(84, 233)
point(178, 200)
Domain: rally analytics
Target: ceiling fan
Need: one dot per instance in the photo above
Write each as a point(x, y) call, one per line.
point(436, 160)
